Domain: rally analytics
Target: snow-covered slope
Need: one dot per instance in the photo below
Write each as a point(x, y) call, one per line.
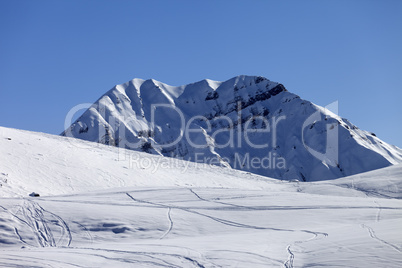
point(99, 207)
point(53, 165)
point(247, 123)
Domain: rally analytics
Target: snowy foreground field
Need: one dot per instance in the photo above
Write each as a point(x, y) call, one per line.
point(105, 207)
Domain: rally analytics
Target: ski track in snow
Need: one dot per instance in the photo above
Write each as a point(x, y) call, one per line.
point(220, 202)
point(139, 258)
point(287, 264)
point(134, 257)
point(290, 261)
point(374, 236)
point(87, 232)
point(378, 215)
point(170, 224)
point(32, 215)
point(367, 192)
point(217, 219)
point(39, 263)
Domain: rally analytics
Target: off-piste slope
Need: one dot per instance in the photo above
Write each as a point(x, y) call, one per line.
point(105, 206)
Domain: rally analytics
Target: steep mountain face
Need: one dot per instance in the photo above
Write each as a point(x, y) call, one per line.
point(247, 122)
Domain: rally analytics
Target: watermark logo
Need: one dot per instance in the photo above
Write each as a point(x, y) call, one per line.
point(143, 132)
point(240, 161)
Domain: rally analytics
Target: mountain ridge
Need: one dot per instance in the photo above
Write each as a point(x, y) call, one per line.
point(243, 113)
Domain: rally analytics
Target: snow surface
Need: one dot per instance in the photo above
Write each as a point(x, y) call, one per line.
point(97, 210)
point(123, 117)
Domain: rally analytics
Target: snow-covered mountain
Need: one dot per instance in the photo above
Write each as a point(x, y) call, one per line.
point(247, 122)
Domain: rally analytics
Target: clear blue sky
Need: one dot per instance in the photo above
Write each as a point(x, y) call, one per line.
point(56, 54)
